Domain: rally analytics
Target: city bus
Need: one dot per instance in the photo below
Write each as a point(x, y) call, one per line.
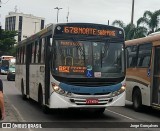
point(143, 71)
point(4, 63)
point(73, 65)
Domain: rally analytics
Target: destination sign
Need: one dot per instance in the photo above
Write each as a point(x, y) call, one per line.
point(89, 29)
point(71, 69)
point(69, 43)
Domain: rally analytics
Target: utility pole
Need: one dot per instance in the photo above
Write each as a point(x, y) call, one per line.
point(108, 22)
point(132, 15)
point(67, 15)
point(57, 12)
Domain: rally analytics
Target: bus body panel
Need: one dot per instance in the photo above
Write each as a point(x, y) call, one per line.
point(75, 100)
point(137, 77)
point(20, 76)
point(144, 78)
point(59, 101)
point(145, 92)
point(36, 80)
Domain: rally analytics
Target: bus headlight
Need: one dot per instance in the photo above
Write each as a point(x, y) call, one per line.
point(55, 88)
point(58, 90)
point(121, 90)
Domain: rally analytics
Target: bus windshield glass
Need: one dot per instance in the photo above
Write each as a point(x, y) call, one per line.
point(86, 59)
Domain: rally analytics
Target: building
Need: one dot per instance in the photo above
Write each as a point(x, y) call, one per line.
point(25, 24)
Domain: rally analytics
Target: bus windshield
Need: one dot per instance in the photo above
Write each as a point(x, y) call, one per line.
point(88, 59)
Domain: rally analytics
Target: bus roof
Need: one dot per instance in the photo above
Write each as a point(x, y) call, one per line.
point(142, 40)
point(155, 33)
point(53, 26)
point(6, 56)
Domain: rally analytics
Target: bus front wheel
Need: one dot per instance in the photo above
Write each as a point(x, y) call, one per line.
point(137, 100)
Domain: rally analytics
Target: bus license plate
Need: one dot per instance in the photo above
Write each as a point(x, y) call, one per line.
point(91, 101)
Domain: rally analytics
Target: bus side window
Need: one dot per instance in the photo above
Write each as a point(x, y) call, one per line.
point(131, 56)
point(39, 50)
point(133, 61)
point(49, 45)
point(42, 50)
point(145, 62)
point(144, 55)
point(33, 50)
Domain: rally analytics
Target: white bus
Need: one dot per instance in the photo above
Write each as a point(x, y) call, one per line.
point(143, 71)
point(73, 65)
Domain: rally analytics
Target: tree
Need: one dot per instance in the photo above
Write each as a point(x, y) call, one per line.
point(131, 31)
point(151, 19)
point(7, 42)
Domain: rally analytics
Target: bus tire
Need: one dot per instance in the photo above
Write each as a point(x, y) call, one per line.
point(99, 111)
point(44, 108)
point(137, 100)
point(8, 78)
point(24, 97)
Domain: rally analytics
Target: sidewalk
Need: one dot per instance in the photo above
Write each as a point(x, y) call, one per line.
point(11, 114)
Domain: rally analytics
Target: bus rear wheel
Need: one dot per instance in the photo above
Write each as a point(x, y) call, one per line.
point(137, 100)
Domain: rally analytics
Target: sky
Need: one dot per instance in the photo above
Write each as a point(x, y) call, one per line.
point(88, 11)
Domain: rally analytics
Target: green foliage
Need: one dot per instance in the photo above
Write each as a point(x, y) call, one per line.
point(147, 24)
point(131, 31)
point(151, 20)
point(7, 42)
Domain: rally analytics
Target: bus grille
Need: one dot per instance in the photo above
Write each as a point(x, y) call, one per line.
point(101, 101)
point(92, 84)
point(92, 94)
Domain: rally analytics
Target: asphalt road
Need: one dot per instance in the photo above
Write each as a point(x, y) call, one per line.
point(30, 111)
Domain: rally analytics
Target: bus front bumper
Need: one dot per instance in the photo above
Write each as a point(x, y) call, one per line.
point(60, 101)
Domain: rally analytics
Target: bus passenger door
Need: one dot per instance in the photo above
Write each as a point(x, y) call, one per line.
point(48, 43)
point(156, 77)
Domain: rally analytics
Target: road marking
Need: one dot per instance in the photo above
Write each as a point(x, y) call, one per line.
point(16, 110)
point(120, 114)
point(19, 114)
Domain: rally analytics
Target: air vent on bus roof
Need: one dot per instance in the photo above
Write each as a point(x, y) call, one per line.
point(155, 33)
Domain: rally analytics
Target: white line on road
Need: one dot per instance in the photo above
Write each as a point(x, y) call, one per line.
point(19, 114)
point(120, 114)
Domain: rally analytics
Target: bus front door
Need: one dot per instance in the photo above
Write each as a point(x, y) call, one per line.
point(156, 78)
